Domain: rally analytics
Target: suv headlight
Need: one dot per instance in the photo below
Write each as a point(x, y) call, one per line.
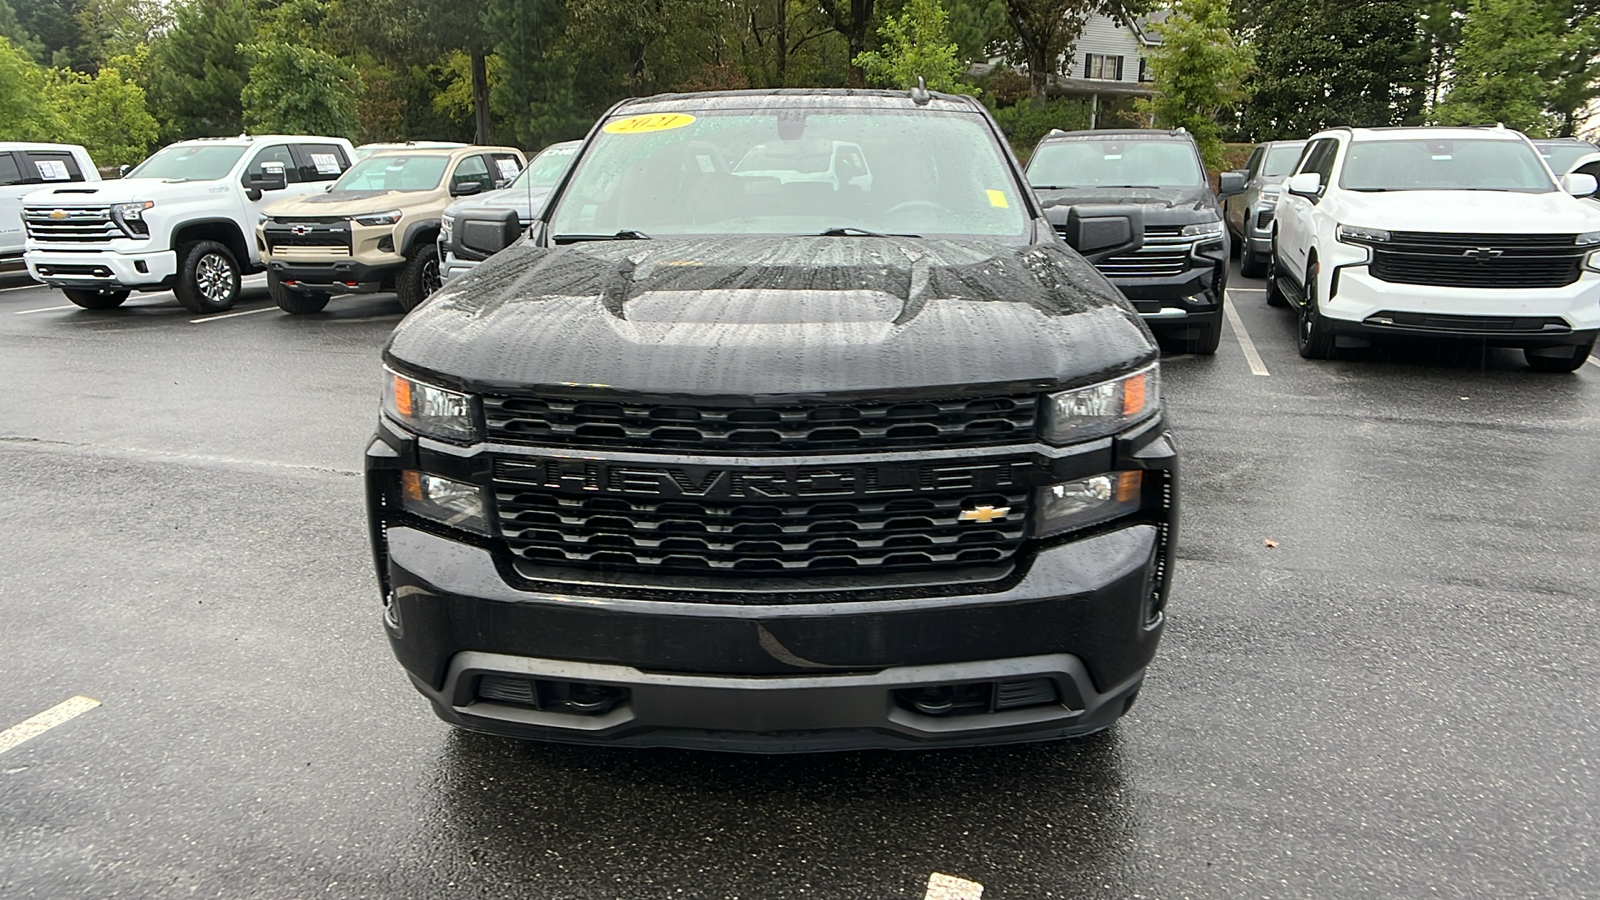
point(1086, 413)
point(1355, 234)
point(447, 227)
point(130, 217)
point(455, 503)
point(1088, 501)
point(387, 217)
point(429, 410)
point(1203, 229)
point(1587, 239)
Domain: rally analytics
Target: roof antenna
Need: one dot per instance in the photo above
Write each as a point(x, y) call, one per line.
point(919, 94)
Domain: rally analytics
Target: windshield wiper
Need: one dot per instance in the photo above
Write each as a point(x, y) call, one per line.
point(1374, 190)
point(626, 234)
point(852, 231)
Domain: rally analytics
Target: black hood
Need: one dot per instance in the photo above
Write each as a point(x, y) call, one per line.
point(777, 317)
point(1162, 206)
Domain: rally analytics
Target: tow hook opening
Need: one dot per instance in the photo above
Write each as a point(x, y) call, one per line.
point(984, 697)
point(570, 697)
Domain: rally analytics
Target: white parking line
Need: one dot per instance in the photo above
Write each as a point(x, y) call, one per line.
point(949, 887)
point(26, 312)
point(1594, 362)
point(248, 312)
point(1257, 367)
point(21, 287)
point(64, 711)
point(1240, 290)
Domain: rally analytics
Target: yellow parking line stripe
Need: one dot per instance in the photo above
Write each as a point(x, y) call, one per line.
point(949, 887)
point(1257, 367)
point(64, 711)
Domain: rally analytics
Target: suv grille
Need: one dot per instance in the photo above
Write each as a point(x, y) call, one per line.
point(86, 224)
point(1165, 253)
point(821, 427)
point(307, 233)
point(1478, 260)
point(631, 518)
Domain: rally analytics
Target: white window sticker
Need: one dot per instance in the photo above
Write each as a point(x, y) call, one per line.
point(508, 168)
point(326, 163)
point(53, 170)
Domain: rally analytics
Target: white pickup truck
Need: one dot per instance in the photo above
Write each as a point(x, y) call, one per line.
point(24, 168)
point(1441, 233)
point(184, 219)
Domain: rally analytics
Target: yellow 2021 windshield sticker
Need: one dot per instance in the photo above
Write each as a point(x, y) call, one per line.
point(648, 124)
point(998, 198)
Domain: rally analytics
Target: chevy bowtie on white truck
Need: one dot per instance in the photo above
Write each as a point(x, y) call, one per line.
point(1438, 232)
point(25, 168)
point(180, 220)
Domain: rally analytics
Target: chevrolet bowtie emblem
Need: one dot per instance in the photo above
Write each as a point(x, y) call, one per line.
point(983, 514)
point(1483, 253)
point(301, 229)
point(58, 214)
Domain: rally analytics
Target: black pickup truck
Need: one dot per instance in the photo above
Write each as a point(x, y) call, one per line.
point(740, 449)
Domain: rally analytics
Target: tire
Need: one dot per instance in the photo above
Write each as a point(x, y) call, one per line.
point(1312, 335)
point(1558, 364)
point(208, 277)
point(1275, 295)
point(297, 303)
point(1205, 343)
point(1251, 265)
point(91, 299)
point(420, 276)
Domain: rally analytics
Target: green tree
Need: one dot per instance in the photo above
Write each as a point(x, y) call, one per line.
point(25, 112)
point(113, 28)
point(105, 113)
point(1524, 63)
point(1198, 71)
point(198, 70)
point(299, 90)
point(1043, 32)
point(852, 19)
point(916, 44)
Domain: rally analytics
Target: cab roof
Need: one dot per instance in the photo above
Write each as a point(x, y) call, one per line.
point(1433, 133)
point(1119, 134)
point(835, 98)
point(461, 150)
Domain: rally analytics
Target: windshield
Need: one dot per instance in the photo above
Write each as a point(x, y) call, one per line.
point(1562, 156)
point(190, 162)
point(395, 172)
point(1462, 164)
point(795, 171)
point(546, 168)
point(1115, 163)
point(1280, 160)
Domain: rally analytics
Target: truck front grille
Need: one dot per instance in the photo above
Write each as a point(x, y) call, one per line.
point(71, 224)
point(1478, 260)
point(1165, 253)
point(307, 233)
point(794, 427)
point(697, 520)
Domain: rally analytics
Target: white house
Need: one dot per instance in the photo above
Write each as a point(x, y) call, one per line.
point(1108, 59)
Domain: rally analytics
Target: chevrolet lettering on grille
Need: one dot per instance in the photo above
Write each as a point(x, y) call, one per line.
point(734, 483)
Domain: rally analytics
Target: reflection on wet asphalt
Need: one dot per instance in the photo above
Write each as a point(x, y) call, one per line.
point(1396, 699)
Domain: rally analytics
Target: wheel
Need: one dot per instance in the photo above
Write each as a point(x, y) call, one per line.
point(208, 277)
point(1313, 337)
point(92, 299)
point(1251, 265)
point(1558, 363)
point(1205, 343)
point(1275, 295)
point(295, 302)
point(420, 275)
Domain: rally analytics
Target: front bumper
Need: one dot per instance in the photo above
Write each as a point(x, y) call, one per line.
point(450, 265)
point(1360, 305)
point(1180, 305)
point(345, 276)
point(152, 270)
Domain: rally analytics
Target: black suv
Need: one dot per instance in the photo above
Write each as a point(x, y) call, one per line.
point(1177, 278)
point(770, 458)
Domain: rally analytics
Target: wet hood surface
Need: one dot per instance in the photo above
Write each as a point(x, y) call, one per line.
point(775, 316)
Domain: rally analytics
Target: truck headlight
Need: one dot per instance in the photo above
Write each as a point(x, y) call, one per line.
point(130, 217)
point(1203, 229)
point(1355, 234)
point(1086, 413)
point(387, 217)
point(455, 503)
point(1089, 501)
point(447, 227)
point(429, 410)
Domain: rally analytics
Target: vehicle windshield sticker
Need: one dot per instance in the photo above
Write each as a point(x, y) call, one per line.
point(326, 163)
point(647, 124)
point(706, 164)
point(508, 168)
point(53, 170)
point(998, 198)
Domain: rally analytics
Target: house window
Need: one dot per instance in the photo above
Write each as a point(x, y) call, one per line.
point(1102, 67)
point(1144, 71)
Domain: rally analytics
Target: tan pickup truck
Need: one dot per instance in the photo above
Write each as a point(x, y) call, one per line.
point(377, 227)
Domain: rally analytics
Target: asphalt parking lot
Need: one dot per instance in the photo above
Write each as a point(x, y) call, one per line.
point(1379, 678)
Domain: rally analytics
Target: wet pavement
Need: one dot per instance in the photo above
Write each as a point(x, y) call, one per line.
point(1396, 700)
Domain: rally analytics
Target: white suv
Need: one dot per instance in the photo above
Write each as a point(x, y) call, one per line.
point(183, 219)
point(1444, 232)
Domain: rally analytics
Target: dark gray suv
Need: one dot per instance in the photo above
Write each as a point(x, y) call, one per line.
point(1249, 213)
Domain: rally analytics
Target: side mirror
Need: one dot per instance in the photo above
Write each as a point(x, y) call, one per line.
point(1579, 185)
point(464, 188)
point(481, 233)
point(1098, 232)
point(1230, 183)
point(272, 177)
point(123, 170)
point(1306, 184)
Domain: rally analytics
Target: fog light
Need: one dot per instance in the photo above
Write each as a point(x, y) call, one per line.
point(1077, 504)
point(455, 503)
